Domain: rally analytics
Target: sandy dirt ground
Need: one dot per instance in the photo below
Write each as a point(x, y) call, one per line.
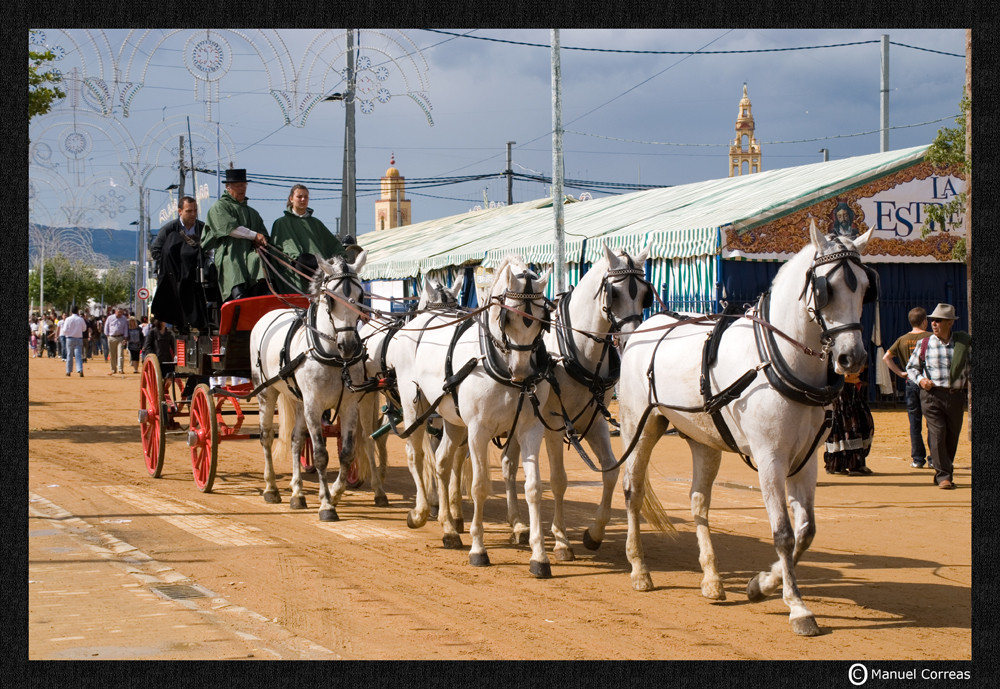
point(889, 574)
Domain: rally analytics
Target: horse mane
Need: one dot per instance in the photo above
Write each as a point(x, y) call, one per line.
point(512, 260)
point(339, 264)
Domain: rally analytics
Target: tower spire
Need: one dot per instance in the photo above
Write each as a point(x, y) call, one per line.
point(744, 151)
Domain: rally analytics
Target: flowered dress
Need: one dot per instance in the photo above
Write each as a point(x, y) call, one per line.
point(850, 438)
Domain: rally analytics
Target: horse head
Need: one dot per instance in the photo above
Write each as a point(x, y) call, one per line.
point(436, 293)
point(518, 335)
point(837, 287)
point(337, 289)
point(626, 290)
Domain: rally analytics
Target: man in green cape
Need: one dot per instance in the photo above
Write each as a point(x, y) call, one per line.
point(303, 237)
point(232, 231)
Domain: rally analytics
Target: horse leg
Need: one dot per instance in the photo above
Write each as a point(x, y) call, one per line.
point(633, 486)
point(444, 462)
point(267, 401)
point(298, 499)
point(562, 551)
point(313, 414)
point(705, 467)
point(417, 517)
point(348, 416)
point(772, 485)
point(460, 453)
point(367, 418)
point(599, 440)
point(478, 449)
point(509, 462)
point(531, 441)
point(430, 446)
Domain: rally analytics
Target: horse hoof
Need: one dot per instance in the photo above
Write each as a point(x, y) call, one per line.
point(754, 594)
point(541, 570)
point(434, 512)
point(354, 485)
point(563, 554)
point(588, 542)
point(805, 626)
point(329, 515)
point(460, 525)
point(272, 498)
point(308, 470)
point(713, 591)
point(479, 559)
point(642, 582)
point(297, 502)
point(452, 541)
point(381, 501)
point(413, 520)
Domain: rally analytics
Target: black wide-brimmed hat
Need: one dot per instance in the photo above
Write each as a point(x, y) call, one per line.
point(236, 175)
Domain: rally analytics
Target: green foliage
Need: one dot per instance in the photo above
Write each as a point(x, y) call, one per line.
point(43, 89)
point(68, 282)
point(948, 151)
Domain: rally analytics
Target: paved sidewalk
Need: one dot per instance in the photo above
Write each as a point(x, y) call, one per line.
point(92, 596)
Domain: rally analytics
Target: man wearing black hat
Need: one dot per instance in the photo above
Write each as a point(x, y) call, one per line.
point(940, 365)
point(233, 230)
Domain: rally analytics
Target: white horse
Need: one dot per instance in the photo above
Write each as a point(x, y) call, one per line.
point(305, 359)
point(773, 395)
point(373, 458)
point(484, 376)
point(607, 303)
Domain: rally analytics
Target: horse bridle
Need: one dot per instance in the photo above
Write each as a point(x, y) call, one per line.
point(821, 288)
point(504, 344)
point(318, 336)
point(635, 276)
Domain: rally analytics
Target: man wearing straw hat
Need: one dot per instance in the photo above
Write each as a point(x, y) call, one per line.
point(940, 365)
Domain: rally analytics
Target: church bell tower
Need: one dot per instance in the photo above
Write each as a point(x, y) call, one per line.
point(744, 151)
point(392, 210)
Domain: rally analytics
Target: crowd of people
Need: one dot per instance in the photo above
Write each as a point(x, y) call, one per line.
point(79, 336)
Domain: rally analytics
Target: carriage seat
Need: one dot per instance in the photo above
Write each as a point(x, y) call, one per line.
point(239, 315)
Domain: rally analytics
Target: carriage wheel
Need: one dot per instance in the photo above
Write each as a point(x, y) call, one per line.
point(151, 415)
point(203, 438)
point(306, 456)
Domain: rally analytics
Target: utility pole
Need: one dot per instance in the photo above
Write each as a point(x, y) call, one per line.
point(826, 154)
point(348, 209)
point(510, 176)
point(180, 185)
point(559, 264)
point(884, 105)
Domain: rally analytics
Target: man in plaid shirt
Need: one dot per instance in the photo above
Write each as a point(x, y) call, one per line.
point(940, 365)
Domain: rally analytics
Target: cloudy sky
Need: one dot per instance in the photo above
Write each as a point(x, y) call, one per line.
point(652, 107)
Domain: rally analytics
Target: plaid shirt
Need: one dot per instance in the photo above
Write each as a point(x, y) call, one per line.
point(937, 364)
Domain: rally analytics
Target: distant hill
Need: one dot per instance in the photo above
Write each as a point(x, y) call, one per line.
point(118, 246)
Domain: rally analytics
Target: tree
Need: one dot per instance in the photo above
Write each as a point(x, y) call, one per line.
point(69, 281)
point(948, 151)
point(43, 89)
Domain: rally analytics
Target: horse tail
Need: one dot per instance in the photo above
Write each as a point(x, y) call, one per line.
point(282, 448)
point(653, 510)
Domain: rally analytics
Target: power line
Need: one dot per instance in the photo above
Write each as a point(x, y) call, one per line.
point(796, 141)
point(687, 52)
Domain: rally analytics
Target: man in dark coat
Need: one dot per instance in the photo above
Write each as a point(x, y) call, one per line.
point(186, 279)
point(186, 222)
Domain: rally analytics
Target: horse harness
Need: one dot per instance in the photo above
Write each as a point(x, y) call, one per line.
point(777, 371)
point(492, 359)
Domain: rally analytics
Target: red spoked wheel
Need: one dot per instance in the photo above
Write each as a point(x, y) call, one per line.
point(151, 415)
point(203, 438)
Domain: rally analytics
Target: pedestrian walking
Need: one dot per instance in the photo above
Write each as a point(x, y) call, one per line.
point(134, 335)
point(900, 352)
point(116, 329)
point(941, 365)
point(73, 329)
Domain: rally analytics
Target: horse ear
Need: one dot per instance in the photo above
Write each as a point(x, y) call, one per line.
point(324, 265)
point(609, 255)
point(359, 261)
point(543, 280)
point(819, 240)
point(640, 260)
point(861, 242)
point(456, 288)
